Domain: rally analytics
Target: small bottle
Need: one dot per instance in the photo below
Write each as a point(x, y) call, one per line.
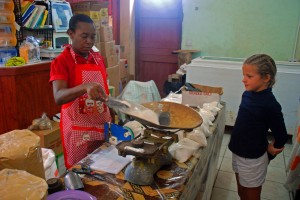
point(54, 185)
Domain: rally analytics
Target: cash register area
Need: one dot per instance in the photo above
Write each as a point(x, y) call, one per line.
point(225, 187)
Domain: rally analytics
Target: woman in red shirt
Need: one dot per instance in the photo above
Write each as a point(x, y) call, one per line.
point(79, 79)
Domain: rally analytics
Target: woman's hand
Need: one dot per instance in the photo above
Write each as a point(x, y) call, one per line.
point(96, 92)
point(272, 150)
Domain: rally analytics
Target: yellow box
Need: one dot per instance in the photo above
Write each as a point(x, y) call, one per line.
point(103, 12)
point(94, 15)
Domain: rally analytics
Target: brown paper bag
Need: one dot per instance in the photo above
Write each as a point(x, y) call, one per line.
point(20, 149)
point(19, 184)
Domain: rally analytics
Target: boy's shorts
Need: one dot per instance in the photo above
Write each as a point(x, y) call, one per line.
point(252, 172)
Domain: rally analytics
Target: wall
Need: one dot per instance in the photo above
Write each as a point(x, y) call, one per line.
point(234, 28)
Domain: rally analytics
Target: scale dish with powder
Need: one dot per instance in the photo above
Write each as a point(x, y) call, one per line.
point(150, 148)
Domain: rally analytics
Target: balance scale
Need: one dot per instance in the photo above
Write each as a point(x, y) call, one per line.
point(150, 148)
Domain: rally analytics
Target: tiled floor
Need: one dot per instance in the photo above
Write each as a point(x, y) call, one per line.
point(225, 187)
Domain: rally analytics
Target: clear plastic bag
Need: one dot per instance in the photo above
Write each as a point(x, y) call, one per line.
point(41, 123)
point(30, 50)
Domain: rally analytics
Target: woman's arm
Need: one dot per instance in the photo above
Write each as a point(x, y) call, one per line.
point(62, 94)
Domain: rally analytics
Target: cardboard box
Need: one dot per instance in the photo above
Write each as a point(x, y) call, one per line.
point(111, 61)
point(104, 21)
point(125, 80)
point(106, 33)
point(124, 71)
point(98, 35)
point(114, 78)
point(88, 6)
point(107, 48)
point(103, 12)
point(207, 94)
point(50, 138)
point(94, 15)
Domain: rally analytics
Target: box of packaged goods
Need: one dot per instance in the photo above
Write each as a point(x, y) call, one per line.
point(104, 21)
point(107, 48)
point(200, 94)
point(106, 33)
point(124, 71)
point(7, 53)
point(118, 51)
point(50, 138)
point(98, 35)
point(94, 15)
point(124, 81)
point(111, 61)
point(86, 6)
point(114, 78)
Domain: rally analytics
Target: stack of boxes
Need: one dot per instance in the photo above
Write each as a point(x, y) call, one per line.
point(51, 139)
point(8, 38)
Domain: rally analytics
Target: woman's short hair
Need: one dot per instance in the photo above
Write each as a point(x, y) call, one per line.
point(78, 18)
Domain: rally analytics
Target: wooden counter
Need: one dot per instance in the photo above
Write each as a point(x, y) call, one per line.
point(24, 95)
point(193, 179)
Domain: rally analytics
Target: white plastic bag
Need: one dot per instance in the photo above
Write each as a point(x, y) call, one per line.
point(208, 114)
point(49, 163)
point(198, 137)
point(183, 150)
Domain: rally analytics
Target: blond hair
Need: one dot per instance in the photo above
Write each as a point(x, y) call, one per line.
point(265, 66)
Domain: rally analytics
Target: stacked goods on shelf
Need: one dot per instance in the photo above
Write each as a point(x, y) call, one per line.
point(34, 14)
point(8, 38)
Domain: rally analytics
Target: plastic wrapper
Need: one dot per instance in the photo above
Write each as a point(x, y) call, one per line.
point(141, 112)
point(183, 150)
point(41, 123)
point(50, 167)
point(173, 97)
point(19, 184)
point(30, 50)
point(168, 182)
point(212, 107)
point(198, 136)
point(208, 114)
point(20, 149)
point(139, 92)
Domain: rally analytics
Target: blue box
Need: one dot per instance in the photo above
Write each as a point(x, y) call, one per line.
point(7, 53)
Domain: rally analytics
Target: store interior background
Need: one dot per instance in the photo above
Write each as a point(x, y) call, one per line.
point(230, 28)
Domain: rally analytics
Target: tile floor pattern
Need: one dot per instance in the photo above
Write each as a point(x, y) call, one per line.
point(225, 187)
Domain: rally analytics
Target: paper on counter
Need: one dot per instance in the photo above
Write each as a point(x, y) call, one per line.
point(109, 161)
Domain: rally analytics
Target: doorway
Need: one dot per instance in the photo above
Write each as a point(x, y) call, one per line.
point(158, 28)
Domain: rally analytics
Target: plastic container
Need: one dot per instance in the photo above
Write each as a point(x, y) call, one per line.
point(6, 5)
point(7, 53)
point(7, 29)
point(8, 40)
point(7, 17)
